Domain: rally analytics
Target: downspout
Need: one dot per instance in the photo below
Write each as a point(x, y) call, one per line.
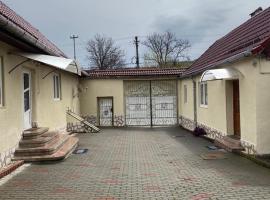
point(195, 101)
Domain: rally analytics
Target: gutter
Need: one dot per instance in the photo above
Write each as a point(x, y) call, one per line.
point(19, 32)
point(234, 58)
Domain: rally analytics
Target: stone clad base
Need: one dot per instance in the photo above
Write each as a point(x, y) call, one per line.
point(6, 156)
point(214, 134)
point(77, 127)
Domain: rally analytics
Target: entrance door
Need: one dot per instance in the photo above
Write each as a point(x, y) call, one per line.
point(27, 118)
point(105, 111)
point(236, 109)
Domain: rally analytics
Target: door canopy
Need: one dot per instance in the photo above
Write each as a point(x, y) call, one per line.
point(54, 61)
point(221, 74)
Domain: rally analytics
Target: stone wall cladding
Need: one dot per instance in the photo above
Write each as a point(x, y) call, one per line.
point(119, 121)
point(187, 123)
point(212, 133)
point(78, 127)
point(6, 156)
point(250, 149)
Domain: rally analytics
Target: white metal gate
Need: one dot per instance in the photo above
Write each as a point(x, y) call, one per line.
point(151, 103)
point(164, 103)
point(105, 111)
point(137, 97)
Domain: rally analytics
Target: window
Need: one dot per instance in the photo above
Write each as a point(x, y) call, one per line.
point(1, 83)
point(203, 94)
point(56, 87)
point(185, 93)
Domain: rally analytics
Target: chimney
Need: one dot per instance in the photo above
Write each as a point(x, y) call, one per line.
point(257, 11)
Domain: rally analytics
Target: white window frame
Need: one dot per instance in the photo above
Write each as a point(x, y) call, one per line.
point(57, 87)
point(1, 83)
point(185, 94)
point(203, 94)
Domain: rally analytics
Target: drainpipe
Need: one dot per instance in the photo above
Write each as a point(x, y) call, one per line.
point(195, 100)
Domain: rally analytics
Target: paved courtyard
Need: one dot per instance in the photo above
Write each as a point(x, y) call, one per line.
point(141, 164)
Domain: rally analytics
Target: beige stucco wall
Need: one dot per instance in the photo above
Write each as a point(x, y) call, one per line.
point(186, 109)
point(263, 105)
point(46, 111)
point(247, 89)
point(213, 115)
point(92, 89)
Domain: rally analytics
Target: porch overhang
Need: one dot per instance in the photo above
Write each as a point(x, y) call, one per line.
point(221, 74)
point(61, 63)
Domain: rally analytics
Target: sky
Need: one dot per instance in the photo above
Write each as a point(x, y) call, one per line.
point(201, 22)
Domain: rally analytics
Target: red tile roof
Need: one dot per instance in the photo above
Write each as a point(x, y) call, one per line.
point(13, 17)
point(134, 72)
point(253, 36)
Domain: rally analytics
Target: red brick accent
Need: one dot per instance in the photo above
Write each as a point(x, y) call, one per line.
point(10, 168)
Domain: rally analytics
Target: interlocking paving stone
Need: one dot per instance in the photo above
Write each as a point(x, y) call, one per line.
point(141, 164)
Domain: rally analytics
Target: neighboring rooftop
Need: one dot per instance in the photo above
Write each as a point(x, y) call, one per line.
point(252, 36)
point(22, 25)
point(135, 72)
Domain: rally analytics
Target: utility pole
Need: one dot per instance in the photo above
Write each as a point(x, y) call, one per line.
point(137, 51)
point(74, 37)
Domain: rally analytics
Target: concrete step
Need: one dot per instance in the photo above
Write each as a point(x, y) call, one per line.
point(34, 132)
point(232, 140)
point(229, 145)
point(48, 149)
point(64, 151)
point(38, 141)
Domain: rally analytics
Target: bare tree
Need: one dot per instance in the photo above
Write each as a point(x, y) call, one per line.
point(165, 49)
point(104, 54)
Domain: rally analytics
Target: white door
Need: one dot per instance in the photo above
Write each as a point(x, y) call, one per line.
point(27, 118)
point(105, 111)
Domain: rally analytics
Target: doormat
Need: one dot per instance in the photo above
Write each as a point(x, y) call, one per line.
point(213, 156)
point(80, 151)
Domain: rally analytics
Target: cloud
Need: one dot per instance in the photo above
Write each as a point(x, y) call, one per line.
point(195, 26)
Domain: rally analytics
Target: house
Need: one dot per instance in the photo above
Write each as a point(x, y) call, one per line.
point(131, 97)
point(226, 91)
point(37, 82)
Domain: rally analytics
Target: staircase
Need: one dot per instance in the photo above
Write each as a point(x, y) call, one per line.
point(88, 126)
point(40, 144)
point(230, 144)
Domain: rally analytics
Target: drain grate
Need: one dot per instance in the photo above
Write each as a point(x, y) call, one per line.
point(80, 151)
point(213, 147)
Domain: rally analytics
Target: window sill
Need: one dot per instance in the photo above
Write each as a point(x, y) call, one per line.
point(57, 99)
point(203, 106)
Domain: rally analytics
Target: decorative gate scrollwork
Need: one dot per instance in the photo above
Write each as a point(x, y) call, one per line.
point(137, 103)
point(105, 112)
point(151, 103)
